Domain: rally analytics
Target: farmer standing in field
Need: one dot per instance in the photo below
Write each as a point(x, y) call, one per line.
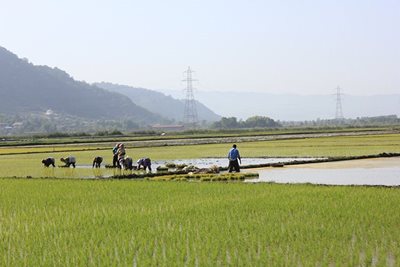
point(115, 155)
point(233, 157)
point(121, 155)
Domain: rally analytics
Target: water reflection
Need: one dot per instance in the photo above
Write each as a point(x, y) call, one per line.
point(223, 162)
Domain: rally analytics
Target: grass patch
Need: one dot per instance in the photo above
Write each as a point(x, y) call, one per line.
point(226, 177)
point(91, 223)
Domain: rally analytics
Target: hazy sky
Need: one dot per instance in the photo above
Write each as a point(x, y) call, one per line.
point(306, 47)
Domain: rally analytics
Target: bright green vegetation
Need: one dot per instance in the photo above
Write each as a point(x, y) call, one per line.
point(23, 165)
point(319, 146)
point(64, 222)
point(326, 146)
point(307, 147)
point(109, 140)
point(124, 222)
point(226, 177)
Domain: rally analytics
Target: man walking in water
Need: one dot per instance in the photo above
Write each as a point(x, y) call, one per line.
point(233, 157)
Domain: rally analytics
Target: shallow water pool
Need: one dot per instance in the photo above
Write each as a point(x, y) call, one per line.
point(383, 171)
point(223, 162)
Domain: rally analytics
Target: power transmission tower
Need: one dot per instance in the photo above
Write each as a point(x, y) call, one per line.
point(190, 117)
point(339, 111)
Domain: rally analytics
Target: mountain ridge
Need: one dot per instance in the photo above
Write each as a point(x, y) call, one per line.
point(159, 103)
point(25, 87)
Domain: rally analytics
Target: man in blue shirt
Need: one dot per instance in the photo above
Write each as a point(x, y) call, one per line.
point(233, 157)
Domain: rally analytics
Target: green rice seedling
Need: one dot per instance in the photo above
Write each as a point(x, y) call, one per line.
point(28, 160)
point(215, 168)
point(170, 165)
point(162, 168)
point(105, 222)
point(180, 166)
point(205, 179)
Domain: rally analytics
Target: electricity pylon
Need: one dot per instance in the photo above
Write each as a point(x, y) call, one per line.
point(190, 117)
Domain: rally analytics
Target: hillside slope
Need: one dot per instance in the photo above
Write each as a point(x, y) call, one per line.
point(159, 103)
point(25, 87)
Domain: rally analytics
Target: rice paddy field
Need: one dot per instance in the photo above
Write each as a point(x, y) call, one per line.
point(26, 161)
point(142, 223)
point(105, 222)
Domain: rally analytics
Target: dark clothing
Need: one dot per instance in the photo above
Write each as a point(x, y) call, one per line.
point(115, 157)
point(115, 161)
point(49, 161)
point(145, 162)
point(126, 163)
point(69, 161)
point(234, 164)
point(234, 156)
point(97, 162)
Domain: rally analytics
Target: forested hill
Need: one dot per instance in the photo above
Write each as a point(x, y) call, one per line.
point(160, 103)
point(26, 88)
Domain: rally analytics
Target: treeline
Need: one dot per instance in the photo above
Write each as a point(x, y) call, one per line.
point(36, 124)
point(357, 122)
point(252, 122)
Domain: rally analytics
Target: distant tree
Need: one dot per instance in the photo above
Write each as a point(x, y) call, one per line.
point(252, 122)
point(260, 122)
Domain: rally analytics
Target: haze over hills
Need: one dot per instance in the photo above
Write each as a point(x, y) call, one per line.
point(26, 88)
point(159, 103)
point(292, 107)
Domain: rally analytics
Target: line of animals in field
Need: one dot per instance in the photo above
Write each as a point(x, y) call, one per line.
point(119, 161)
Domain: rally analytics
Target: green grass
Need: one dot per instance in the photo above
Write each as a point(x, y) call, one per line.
point(42, 140)
point(63, 222)
point(321, 146)
point(108, 223)
point(313, 147)
point(326, 146)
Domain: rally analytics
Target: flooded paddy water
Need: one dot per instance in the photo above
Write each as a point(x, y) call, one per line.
point(223, 162)
point(199, 162)
point(378, 171)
